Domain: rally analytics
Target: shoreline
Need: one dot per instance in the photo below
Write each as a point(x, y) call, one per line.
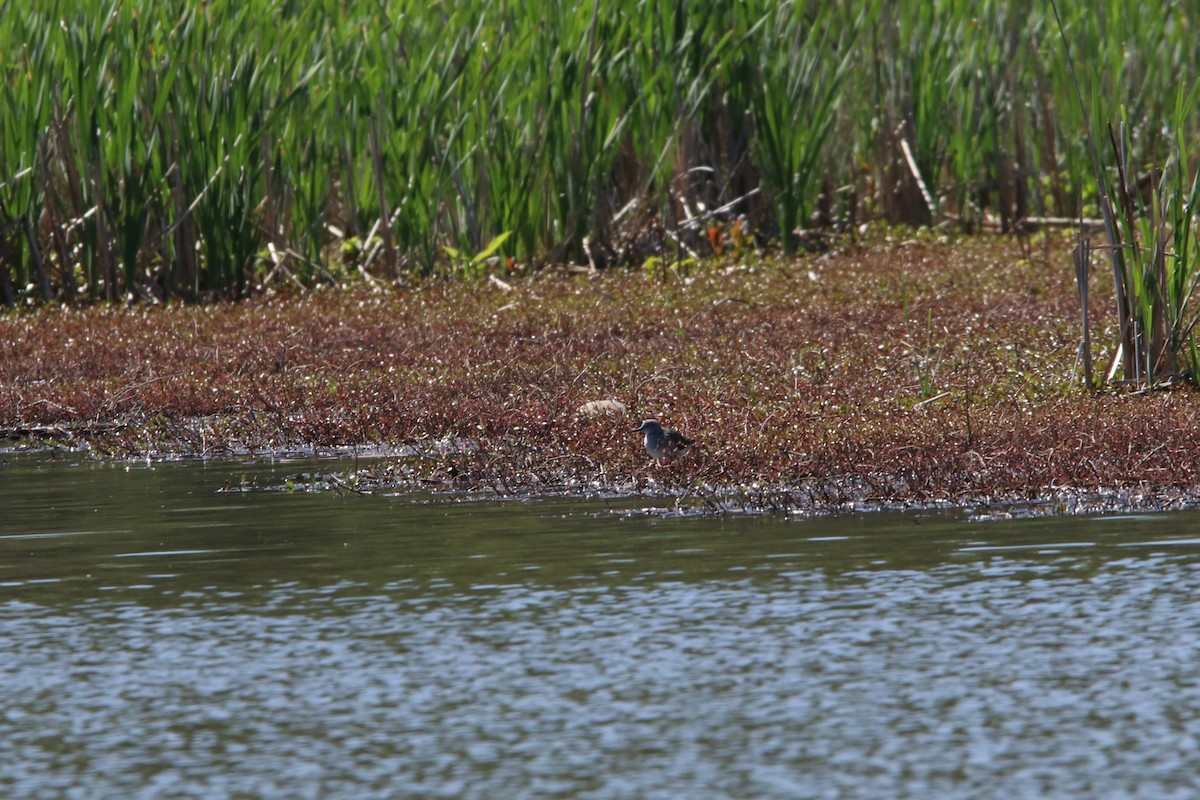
point(406, 470)
point(905, 373)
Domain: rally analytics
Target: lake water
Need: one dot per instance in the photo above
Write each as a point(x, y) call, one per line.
point(163, 639)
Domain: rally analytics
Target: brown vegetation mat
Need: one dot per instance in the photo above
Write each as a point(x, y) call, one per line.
point(915, 372)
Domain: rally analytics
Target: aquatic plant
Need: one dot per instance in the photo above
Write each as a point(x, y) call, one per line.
point(174, 149)
point(1149, 223)
point(804, 386)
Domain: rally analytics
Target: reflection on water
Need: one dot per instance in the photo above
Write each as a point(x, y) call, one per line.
point(165, 640)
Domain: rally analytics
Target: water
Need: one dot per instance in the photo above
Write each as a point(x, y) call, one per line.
point(161, 639)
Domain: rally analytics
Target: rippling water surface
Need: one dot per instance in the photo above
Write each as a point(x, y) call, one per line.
point(162, 639)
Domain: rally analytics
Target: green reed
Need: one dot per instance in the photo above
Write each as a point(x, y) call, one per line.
point(174, 149)
point(1158, 268)
point(1150, 223)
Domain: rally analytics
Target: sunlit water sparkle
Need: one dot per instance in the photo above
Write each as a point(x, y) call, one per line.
point(161, 643)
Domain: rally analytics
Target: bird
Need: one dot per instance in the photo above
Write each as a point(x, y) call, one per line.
point(662, 443)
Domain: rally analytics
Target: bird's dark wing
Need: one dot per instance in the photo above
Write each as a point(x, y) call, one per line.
point(678, 439)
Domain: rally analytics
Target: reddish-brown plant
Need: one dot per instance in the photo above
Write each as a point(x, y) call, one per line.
point(913, 371)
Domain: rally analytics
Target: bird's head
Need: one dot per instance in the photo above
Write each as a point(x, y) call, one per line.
point(647, 426)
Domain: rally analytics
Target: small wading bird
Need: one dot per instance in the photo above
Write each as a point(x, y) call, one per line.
point(662, 443)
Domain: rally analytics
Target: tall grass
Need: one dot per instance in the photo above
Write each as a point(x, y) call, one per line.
point(176, 149)
point(1150, 224)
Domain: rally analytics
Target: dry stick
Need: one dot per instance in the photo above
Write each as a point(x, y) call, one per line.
point(1131, 339)
point(693, 223)
point(315, 266)
point(371, 280)
point(689, 222)
point(916, 173)
point(682, 244)
point(375, 248)
point(1084, 223)
point(933, 399)
point(1083, 255)
point(195, 203)
point(278, 261)
point(1115, 362)
point(23, 173)
point(111, 403)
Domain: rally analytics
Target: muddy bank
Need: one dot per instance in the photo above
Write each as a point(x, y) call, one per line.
point(907, 372)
